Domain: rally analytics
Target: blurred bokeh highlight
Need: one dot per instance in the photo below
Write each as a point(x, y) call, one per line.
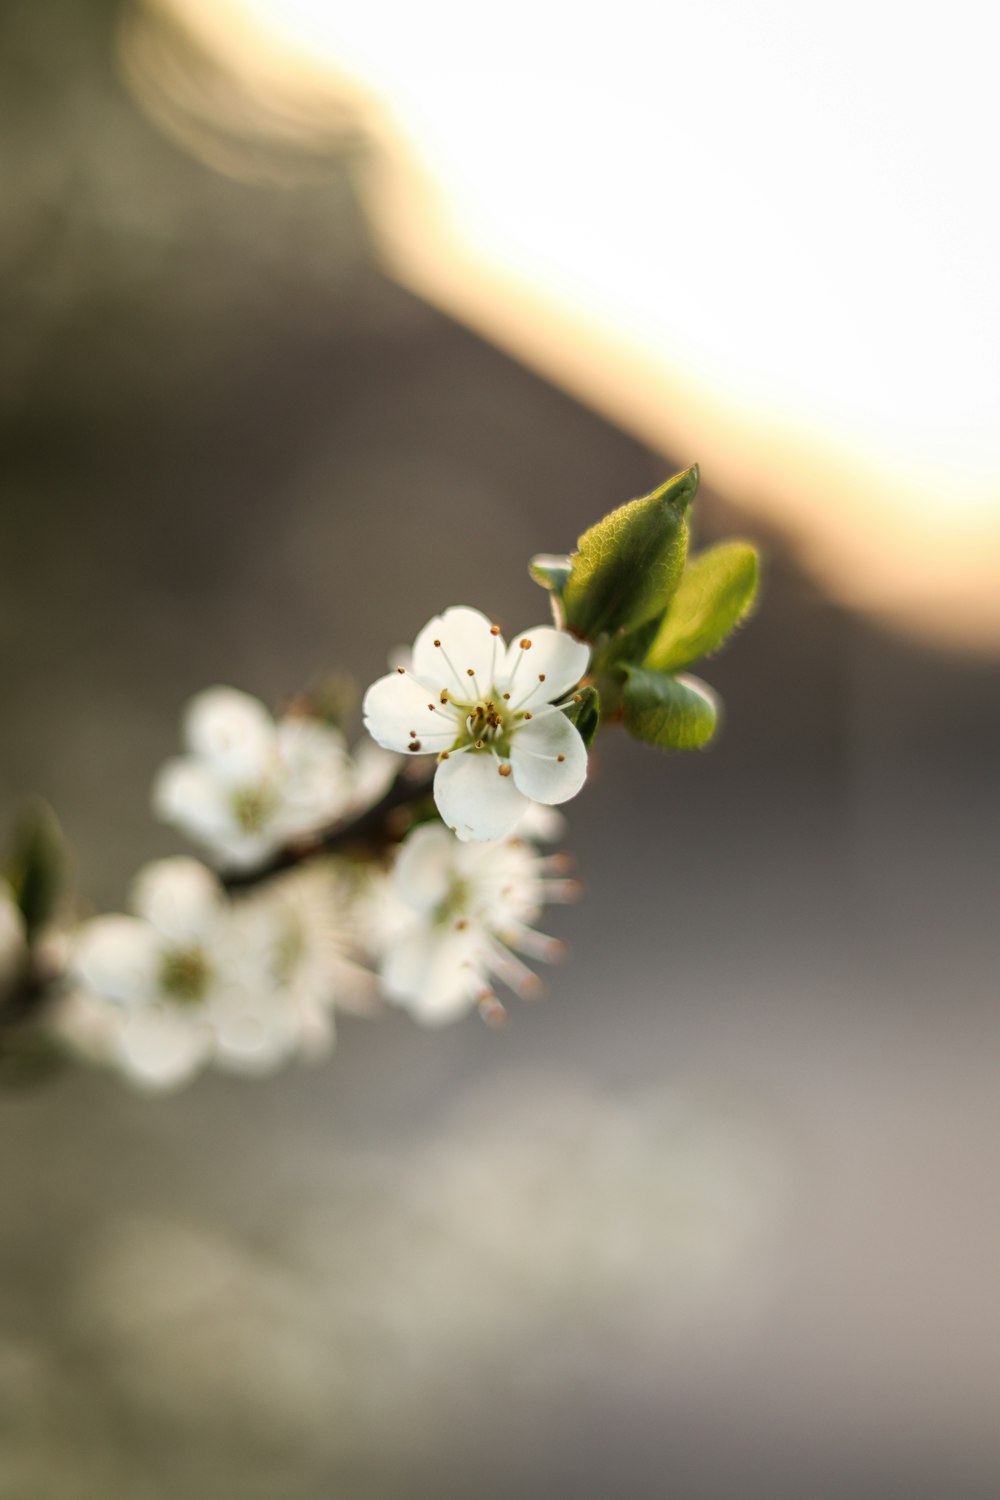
point(316, 319)
point(744, 231)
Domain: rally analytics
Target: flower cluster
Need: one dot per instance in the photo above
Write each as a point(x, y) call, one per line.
point(248, 785)
point(191, 978)
point(196, 975)
point(335, 877)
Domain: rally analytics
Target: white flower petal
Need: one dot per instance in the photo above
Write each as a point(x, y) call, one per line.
point(542, 823)
point(434, 974)
point(88, 1024)
point(549, 758)
point(399, 712)
point(118, 957)
point(236, 850)
point(424, 870)
point(474, 800)
point(187, 793)
point(311, 749)
point(161, 1047)
point(317, 779)
point(467, 645)
point(232, 731)
point(254, 1029)
point(180, 898)
point(553, 656)
point(375, 769)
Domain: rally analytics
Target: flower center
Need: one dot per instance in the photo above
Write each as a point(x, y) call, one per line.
point(489, 724)
point(252, 807)
point(455, 905)
point(184, 975)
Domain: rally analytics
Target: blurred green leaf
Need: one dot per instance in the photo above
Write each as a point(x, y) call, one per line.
point(36, 864)
point(586, 713)
point(673, 713)
point(627, 567)
point(715, 593)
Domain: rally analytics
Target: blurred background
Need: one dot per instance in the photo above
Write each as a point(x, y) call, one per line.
point(317, 318)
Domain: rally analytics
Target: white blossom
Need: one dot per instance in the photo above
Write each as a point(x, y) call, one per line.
point(193, 979)
point(490, 712)
point(143, 985)
point(298, 939)
point(250, 785)
point(454, 916)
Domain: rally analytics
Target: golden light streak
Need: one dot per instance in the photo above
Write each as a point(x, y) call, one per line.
point(763, 237)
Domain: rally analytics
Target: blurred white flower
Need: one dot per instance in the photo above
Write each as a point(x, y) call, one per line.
point(489, 713)
point(12, 936)
point(143, 985)
point(452, 916)
point(193, 979)
point(250, 785)
point(298, 938)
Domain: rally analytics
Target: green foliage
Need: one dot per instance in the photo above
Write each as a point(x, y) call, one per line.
point(715, 593)
point(36, 865)
point(626, 567)
point(672, 713)
point(585, 713)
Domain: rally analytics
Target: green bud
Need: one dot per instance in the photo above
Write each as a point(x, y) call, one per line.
point(36, 865)
point(715, 593)
point(627, 567)
point(552, 572)
point(673, 713)
point(585, 713)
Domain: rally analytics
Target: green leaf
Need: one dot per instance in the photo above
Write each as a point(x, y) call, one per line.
point(627, 567)
point(585, 713)
point(673, 713)
point(716, 591)
point(36, 865)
